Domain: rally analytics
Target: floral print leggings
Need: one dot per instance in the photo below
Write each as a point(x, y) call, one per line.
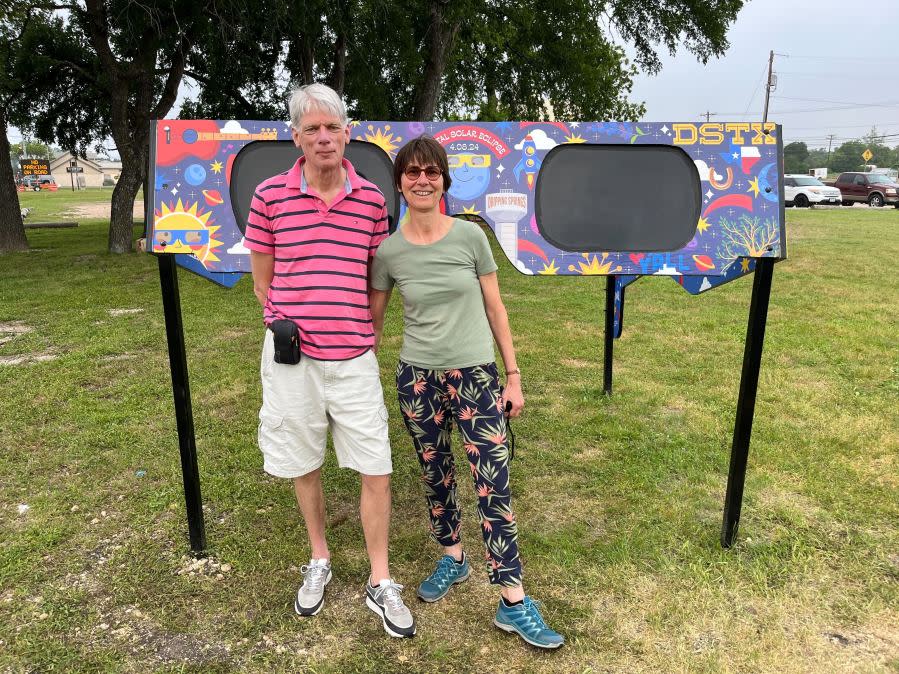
point(430, 400)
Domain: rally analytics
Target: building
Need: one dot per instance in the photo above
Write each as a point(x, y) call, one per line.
point(95, 171)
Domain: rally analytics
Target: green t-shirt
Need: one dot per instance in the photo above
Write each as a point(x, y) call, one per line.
point(445, 324)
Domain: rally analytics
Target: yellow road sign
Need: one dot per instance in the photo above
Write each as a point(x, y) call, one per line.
point(866, 155)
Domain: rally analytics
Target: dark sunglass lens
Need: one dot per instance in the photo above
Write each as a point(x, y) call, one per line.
point(412, 172)
point(432, 173)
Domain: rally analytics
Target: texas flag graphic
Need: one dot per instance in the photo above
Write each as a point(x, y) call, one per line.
point(749, 155)
point(746, 156)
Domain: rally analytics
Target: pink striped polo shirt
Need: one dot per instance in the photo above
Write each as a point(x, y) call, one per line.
point(322, 256)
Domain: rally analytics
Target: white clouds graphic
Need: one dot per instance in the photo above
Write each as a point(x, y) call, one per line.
point(541, 140)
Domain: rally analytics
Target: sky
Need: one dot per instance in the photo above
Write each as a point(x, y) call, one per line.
point(837, 73)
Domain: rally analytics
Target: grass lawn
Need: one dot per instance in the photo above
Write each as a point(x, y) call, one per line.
point(618, 500)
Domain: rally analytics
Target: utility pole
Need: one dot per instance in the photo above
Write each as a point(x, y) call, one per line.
point(708, 115)
point(829, 143)
point(772, 83)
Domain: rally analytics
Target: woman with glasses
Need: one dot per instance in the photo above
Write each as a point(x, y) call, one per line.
point(453, 313)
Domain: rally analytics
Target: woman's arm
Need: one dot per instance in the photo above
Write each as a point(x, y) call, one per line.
point(499, 326)
point(378, 300)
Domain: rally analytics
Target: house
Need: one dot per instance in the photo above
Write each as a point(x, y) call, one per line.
point(95, 171)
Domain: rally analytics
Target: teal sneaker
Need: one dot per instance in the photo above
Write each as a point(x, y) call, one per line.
point(447, 574)
point(525, 620)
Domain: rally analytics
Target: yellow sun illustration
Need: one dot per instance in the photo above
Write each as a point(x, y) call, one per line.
point(594, 267)
point(702, 225)
point(549, 270)
point(386, 141)
point(470, 210)
point(216, 166)
point(574, 138)
point(183, 229)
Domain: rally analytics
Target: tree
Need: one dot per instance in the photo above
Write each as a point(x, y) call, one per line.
point(12, 26)
point(848, 157)
point(494, 58)
point(796, 156)
point(33, 148)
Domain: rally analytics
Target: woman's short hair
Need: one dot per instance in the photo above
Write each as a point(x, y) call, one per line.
point(425, 151)
point(315, 97)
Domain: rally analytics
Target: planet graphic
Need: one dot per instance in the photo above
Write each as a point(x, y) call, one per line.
point(195, 174)
point(213, 197)
point(416, 128)
point(768, 190)
point(189, 136)
point(703, 262)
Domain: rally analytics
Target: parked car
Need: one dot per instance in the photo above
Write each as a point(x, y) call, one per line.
point(38, 183)
point(801, 191)
point(875, 189)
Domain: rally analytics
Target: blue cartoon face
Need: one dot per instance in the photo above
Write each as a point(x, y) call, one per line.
point(470, 174)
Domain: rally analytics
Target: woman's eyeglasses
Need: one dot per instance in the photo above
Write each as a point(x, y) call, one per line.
point(431, 172)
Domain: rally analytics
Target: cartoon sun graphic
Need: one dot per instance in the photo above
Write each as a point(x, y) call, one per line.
point(594, 267)
point(470, 210)
point(386, 141)
point(183, 229)
point(574, 138)
point(549, 269)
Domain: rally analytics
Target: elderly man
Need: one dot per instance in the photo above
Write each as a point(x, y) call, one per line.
point(312, 232)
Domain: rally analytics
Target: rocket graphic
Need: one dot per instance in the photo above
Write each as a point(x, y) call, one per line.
point(529, 162)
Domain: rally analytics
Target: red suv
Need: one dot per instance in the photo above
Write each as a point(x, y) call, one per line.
point(875, 189)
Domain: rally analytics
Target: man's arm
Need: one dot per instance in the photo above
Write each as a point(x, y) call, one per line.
point(263, 266)
point(378, 300)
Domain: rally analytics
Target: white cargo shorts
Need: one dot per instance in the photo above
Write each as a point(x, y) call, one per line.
point(301, 402)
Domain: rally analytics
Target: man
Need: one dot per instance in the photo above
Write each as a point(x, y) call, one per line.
point(312, 232)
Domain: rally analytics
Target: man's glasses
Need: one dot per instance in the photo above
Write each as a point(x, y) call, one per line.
point(431, 172)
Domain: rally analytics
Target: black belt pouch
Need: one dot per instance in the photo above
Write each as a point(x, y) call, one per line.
point(287, 341)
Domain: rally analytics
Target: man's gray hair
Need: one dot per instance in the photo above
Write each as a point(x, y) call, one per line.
point(315, 97)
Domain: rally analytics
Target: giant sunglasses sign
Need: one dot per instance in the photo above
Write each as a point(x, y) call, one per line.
point(697, 202)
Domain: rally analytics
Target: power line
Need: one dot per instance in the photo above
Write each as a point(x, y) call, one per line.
point(825, 100)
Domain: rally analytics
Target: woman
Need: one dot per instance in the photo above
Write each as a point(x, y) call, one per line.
point(453, 312)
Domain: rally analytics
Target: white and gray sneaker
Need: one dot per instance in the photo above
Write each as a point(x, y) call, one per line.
point(311, 595)
point(385, 600)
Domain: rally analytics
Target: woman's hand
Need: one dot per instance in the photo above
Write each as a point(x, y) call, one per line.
point(512, 394)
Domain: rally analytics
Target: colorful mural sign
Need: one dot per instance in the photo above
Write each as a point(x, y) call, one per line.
point(495, 168)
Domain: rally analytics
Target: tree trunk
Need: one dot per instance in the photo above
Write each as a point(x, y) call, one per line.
point(121, 225)
point(338, 72)
point(12, 232)
point(441, 35)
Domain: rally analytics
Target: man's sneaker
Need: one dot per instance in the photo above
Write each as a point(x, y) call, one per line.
point(385, 600)
point(311, 595)
point(525, 620)
point(448, 573)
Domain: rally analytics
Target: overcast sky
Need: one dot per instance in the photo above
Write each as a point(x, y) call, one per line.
point(837, 72)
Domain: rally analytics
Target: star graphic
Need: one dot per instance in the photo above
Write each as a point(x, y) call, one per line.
point(174, 191)
point(216, 166)
point(744, 265)
point(709, 194)
point(574, 125)
point(735, 155)
point(754, 187)
point(500, 169)
point(664, 129)
point(702, 225)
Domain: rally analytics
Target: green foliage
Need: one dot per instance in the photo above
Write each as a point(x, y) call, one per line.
point(796, 158)
point(504, 59)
